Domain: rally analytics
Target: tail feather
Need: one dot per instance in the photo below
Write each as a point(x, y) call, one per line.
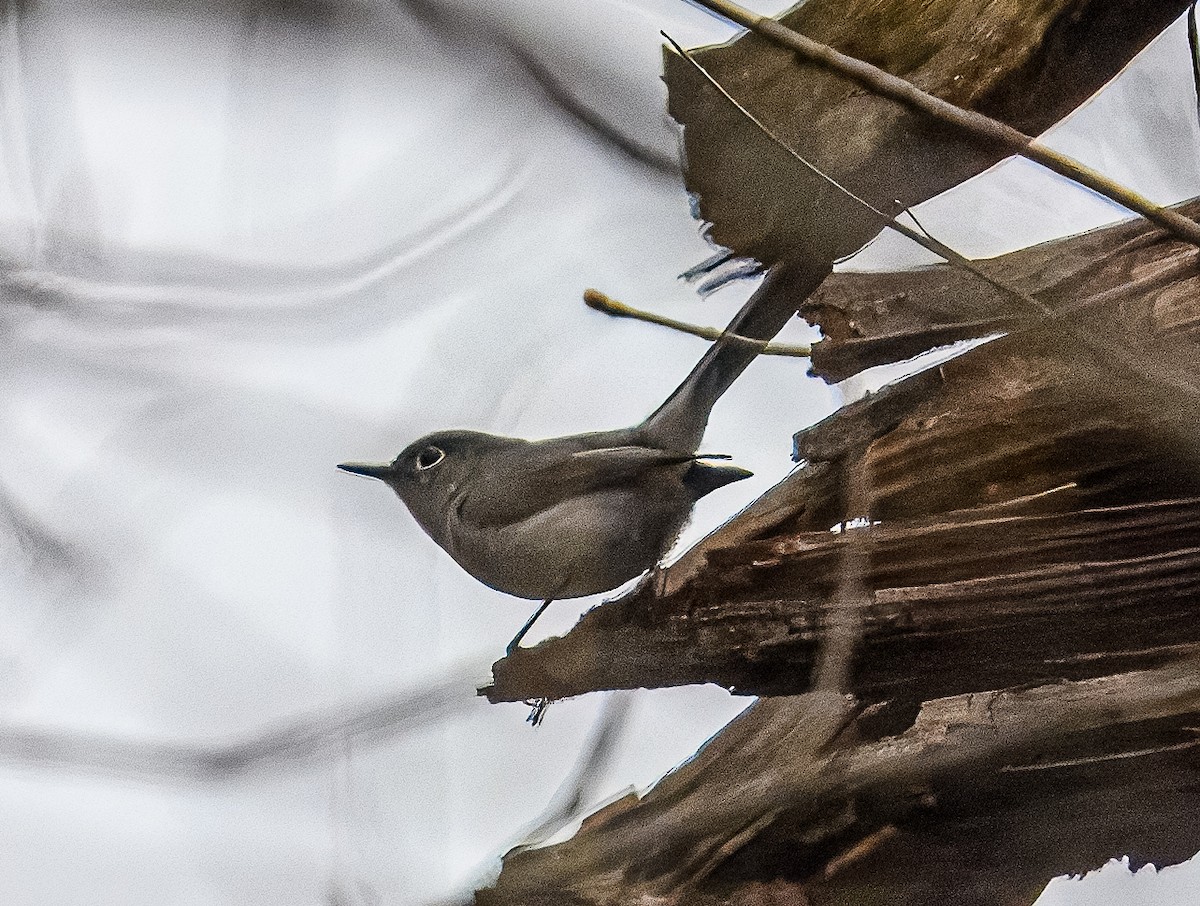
point(704, 477)
point(679, 423)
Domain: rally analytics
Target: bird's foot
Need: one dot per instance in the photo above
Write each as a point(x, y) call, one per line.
point(539, 706)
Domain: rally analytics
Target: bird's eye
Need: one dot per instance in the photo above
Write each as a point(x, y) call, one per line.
point(429, 457)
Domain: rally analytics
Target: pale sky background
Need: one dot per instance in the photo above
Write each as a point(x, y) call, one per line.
point(242, 247)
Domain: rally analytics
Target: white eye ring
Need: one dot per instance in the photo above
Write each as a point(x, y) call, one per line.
point(429, 457)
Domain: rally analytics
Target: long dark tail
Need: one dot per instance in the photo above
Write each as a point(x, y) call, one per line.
point(679, 423)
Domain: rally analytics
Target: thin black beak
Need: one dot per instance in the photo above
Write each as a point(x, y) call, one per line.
point(370, 469)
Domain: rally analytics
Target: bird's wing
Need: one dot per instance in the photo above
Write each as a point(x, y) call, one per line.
point(616, 463)
point(534, 486)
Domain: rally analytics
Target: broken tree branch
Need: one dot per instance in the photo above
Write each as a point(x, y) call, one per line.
point(982, 128)
point(921, 238)
point(808, 771)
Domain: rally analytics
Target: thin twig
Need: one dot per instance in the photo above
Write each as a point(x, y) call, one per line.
point(978, 126)
point(1098, 759)
point(597, 300)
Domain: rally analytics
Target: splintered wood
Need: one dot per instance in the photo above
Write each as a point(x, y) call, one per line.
point(973, 609)
point(981, 800)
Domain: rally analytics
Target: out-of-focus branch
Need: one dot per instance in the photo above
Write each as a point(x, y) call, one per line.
point(208, 287)
point(577, 788)
point(321, 732)
point(843, 619)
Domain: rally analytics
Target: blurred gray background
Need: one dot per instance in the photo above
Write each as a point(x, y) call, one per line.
point(243, 241)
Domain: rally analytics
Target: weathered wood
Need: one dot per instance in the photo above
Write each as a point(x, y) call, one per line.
point(968, 601)
point(975, 126)
point(1027, 67)
point(800, 792)
point(1032, 67)
point(1128, 273)
point(1032, 517)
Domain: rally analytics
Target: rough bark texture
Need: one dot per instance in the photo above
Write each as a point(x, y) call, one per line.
point(1128, 274)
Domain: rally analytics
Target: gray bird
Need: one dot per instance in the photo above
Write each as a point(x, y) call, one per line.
point(572, 516)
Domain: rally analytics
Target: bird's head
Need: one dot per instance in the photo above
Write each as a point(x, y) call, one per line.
point(430, 472)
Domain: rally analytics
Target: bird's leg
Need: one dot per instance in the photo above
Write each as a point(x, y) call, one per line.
point(512, 646)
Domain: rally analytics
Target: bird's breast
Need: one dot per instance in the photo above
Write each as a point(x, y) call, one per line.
point(581, 546)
